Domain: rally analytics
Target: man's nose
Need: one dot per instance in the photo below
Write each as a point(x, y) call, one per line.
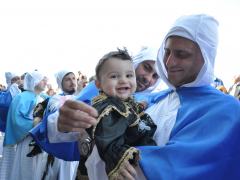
point(149, 79)
point(171, 60)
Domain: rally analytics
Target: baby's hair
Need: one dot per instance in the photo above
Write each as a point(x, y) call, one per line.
point(121, 54)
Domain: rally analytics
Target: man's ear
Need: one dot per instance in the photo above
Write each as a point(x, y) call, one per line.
point(98, 84)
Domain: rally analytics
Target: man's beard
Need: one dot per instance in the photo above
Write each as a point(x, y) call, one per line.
point(70, 92)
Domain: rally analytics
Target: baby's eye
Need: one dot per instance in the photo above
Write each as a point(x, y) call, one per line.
point(113, 76)
point(129, 75)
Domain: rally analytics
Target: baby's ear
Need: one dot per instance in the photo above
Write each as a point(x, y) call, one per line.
point(98, 84)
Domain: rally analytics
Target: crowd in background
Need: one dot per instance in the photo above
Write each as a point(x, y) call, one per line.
point(83, 80)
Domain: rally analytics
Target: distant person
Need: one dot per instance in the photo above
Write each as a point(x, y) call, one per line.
point(19, 122)
point(235, 87)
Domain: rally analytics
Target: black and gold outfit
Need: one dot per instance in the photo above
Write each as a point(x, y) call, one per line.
point(121, 126)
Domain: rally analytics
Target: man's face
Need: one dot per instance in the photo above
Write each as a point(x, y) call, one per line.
point(183, 60)
point(69, 83)
point(146, 75)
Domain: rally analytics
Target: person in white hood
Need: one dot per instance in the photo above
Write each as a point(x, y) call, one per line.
point(66, 81)
point(13, 81)
point(197, 126)
point(19, 122)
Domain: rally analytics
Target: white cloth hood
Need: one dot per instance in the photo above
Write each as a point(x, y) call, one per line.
point(146, 53)
point(203, 30)
point(59, 77)
point(9, 76)
point(32, 79)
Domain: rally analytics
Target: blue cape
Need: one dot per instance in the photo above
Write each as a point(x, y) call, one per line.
point(204, 143)
point(19, 119)
point(67, 151)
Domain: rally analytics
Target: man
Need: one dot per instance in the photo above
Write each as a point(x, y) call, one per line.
point(198, 126)
point(67, 82)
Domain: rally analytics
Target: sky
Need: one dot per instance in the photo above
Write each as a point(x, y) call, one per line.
point(51, 35)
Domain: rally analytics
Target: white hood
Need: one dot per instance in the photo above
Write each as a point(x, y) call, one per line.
point(59, 77)
point(145, 54)
point(203, 30)
point(31, 80)
point(9, 76)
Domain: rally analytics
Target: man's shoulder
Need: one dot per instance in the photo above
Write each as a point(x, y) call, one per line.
point(151, 98)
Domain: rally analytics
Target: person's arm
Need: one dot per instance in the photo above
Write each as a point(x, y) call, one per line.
point(73, 116)
point(55, 136)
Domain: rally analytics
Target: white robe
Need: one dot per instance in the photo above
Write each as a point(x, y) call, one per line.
point(25, 168)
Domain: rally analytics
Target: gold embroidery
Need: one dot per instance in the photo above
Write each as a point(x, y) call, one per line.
point(106, 112)
point(135, 123)
point(126, 157)
point(99, 98)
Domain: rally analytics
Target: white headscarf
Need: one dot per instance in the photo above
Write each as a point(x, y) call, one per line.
point(203, 30)
point(146, 53)
point(59, 77)
point(9, 76)
point(32, 79)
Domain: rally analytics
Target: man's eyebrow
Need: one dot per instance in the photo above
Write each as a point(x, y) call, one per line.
point(148, 65)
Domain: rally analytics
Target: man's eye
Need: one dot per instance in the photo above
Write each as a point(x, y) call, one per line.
point(147, 67)
point(182, 54)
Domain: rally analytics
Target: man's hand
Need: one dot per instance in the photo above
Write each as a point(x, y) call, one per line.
point(127, 172)
point(75, 116)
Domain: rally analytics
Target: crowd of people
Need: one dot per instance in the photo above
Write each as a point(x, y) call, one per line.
point(125, 123)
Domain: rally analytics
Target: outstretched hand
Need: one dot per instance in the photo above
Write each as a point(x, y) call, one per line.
point(75, 116)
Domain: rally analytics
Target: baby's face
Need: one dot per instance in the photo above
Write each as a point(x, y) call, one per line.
point(117, 78)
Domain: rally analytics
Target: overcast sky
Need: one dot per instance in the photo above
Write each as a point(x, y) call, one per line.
point(41, 34)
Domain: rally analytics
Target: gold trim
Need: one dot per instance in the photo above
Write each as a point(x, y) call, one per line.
point(128, 154)
point(99, 98)
point(135, 123)
point(106, 112)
